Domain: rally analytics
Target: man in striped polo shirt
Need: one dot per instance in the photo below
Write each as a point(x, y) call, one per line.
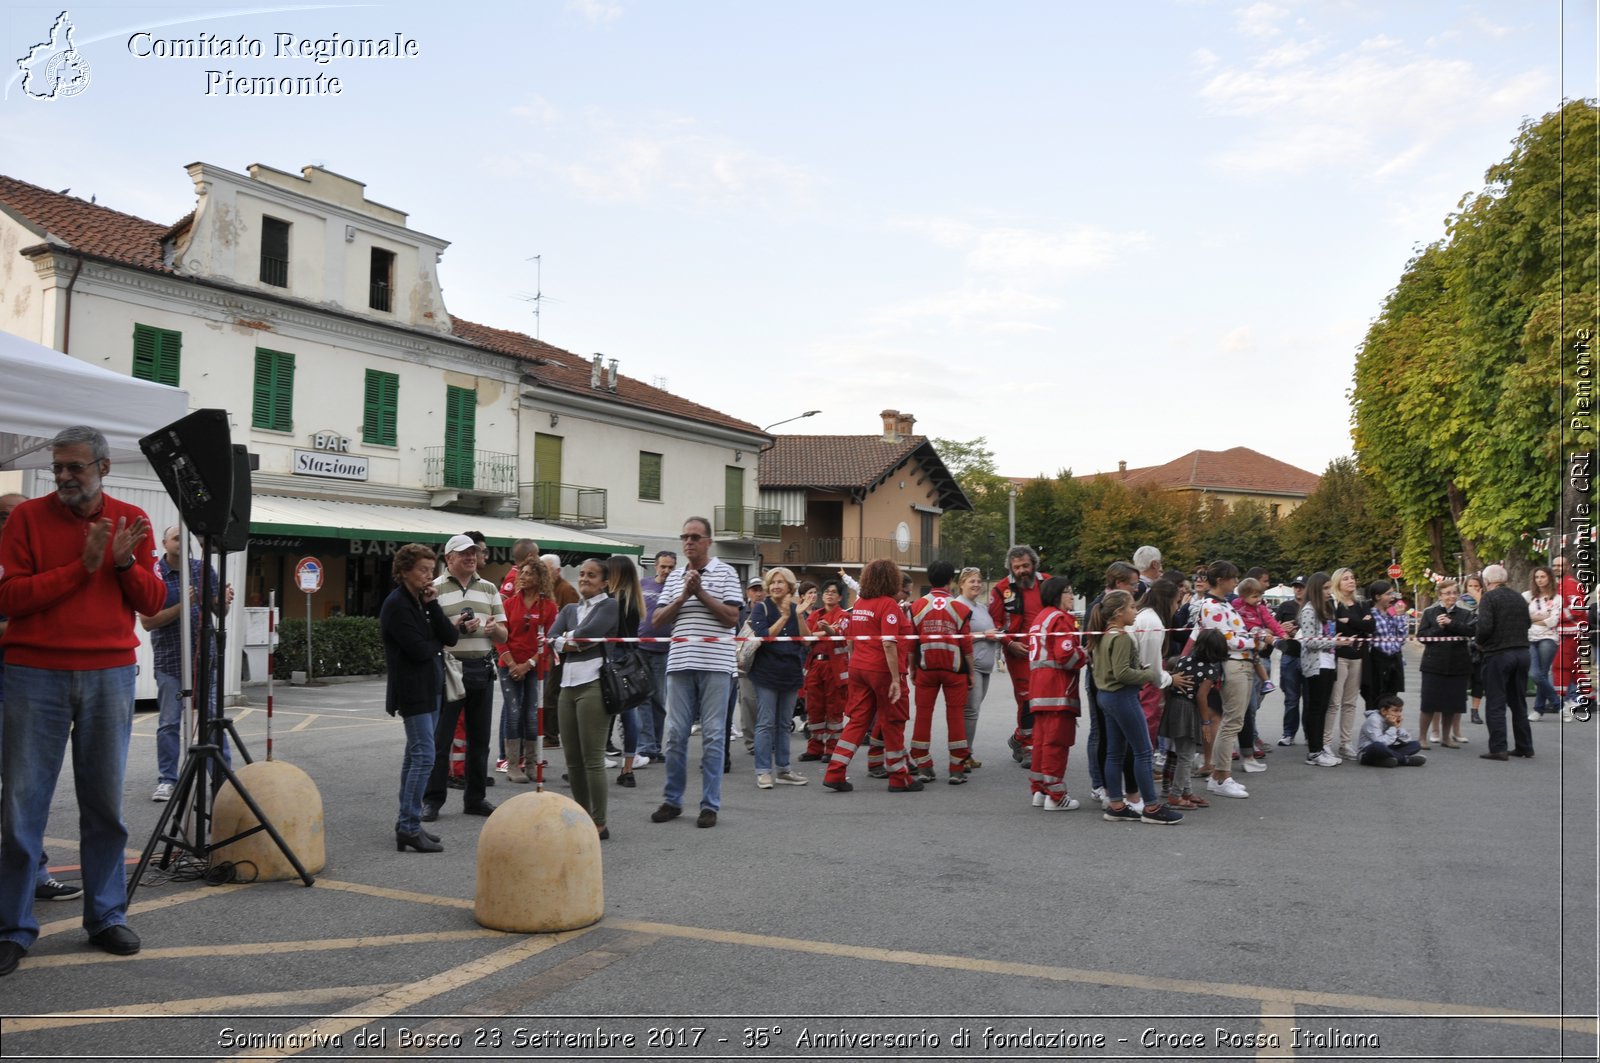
point(700, 601)
point(473, 604)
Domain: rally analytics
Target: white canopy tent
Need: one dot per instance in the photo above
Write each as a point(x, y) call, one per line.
point(46, 391)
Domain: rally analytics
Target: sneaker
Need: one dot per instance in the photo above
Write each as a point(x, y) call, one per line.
point(1327, 760)
point(843, 786)
point(927, 774)
point(791, 778)
point(1125, 814)
point(1312, 758)
point(1252, 764)
point(1161, 815)
point(912, 786)
point(737, 732)
point(163, 792)
point(1415, 760)
point(1064, 803)
point(1346, 753)
point(1268, 687)
point(1099, 794)
point(1159, 760)
point(612, 762)
point(1286, 740)
point(51, 890)
point(878, 773)
point(764, 781)
point(1037, 801)
point(641, 761)
point(1228, 787)
point(1136, 804)
point(500, 765)
point(972, 764)
point(956, 778)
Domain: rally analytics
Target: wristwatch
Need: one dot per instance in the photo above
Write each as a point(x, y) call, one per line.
point(125, 565)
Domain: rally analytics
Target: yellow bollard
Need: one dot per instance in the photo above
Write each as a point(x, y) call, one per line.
point(539, 866)
point(292, 805)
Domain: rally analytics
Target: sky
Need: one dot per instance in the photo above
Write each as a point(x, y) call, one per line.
point(1087, 233)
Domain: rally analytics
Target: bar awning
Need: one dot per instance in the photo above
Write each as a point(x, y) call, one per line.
point(324, 518)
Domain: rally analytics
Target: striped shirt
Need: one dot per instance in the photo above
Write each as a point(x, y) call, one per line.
point(484, 599)
point(695, 621)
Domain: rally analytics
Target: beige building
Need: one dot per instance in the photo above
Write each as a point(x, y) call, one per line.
point(1233, 475)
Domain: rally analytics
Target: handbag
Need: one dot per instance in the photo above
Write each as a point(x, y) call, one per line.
point(626, 680)
point(455, 686)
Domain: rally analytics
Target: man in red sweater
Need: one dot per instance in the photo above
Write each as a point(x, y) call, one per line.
point(75, 567)
point(1013, 606)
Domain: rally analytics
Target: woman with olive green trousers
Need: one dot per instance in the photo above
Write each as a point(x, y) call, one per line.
point(584, 720)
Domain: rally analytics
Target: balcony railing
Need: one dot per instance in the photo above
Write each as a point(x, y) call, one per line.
point(275, 271)
point(379, 296)
point(479, 471)
point(570, 505)
point(832, 552)
point(746, 522)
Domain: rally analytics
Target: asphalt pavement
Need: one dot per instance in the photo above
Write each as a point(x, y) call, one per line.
point(1441, 913)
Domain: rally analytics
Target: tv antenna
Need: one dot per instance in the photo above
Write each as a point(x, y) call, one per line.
point(538, 297)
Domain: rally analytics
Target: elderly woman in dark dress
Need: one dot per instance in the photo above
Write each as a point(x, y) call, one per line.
point(415, 632)
point(1446, 666)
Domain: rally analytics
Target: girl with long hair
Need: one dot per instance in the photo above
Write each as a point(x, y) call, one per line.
point(876, 620)
point(622, 581)
point(1118, 675)
point(1352, 621)
point(523, 663)
point(777, 673)
point(1318, 666)
point(1544, 612)
point(578, 637)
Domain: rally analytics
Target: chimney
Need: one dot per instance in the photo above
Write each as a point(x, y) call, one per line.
point(1122, 467)
point(891, 425)
point(594, 373)
point(611, 376)
point(904, 424)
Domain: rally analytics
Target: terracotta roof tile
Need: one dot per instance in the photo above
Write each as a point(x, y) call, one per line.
point(86, 227)
point(852, 463)
point(1236, 469)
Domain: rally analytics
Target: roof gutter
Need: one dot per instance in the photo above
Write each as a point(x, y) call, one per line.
point(66, 326)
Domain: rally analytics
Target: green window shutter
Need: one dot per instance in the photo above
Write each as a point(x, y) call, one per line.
point(649, 476)
point(460, 436)
point(273, 406)
point(382, 399)
point(733, 496)
point(156, 353)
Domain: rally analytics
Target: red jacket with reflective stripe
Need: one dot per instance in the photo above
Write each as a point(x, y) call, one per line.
point(1055, 656)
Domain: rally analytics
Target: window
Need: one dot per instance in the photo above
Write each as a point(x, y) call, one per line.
point(274, 252)
point(460, 435)
point(1274, 511)
point(155, 354)
point(649, 476)
point(274, 391)
point(382, 288)
point(382, 396)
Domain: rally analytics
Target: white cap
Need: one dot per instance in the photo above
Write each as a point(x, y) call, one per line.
point(459, 543)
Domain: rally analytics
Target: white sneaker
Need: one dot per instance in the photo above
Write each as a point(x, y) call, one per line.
point(163, 792)
point(641, 761)
point(1229, 787)
point(1159, 760)
point(1099, 794)
point(764, 781)
point(1198, 762)
point(1038, 799)
point(1066, 803)
point(500, 765)
point(612, 762)
point(736, 733)
point(1327, 760)
point(791, 778)
point(1252, 764)
point(1135, 804)
point(1566, 716)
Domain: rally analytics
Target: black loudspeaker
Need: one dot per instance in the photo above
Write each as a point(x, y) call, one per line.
point(195, 459)
point(237, 537)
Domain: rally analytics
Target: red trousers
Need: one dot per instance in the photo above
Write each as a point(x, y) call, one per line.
point(1018, 669)
point(929, 682)
point(870, 705)
point(825, 696)
point(1054, 732)
point(1152, 699)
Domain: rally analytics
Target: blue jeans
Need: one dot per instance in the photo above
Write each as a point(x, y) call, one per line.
point(772, 738)
point(652, 715)
point(692, 694)
point(1541, 655)
point(47, 709)
point(1289, 682)
point(169, 728)
point(1126, 728)
point(630, 732)
point(44, 857)
point(415, 768)
point(519, 707)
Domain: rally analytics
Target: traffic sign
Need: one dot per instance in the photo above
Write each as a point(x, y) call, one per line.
point(1395, 571)
point(308, 575)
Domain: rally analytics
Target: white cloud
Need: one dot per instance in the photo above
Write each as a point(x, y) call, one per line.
point(1018, 252)
point(596, 11)
point(1205, 59)
point(1260, 19)
point(992, 308)
point(1239, 340)
point(538, 110)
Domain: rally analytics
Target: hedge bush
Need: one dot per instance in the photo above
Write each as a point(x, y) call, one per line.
point(340, 645)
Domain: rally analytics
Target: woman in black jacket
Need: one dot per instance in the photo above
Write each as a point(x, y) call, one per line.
point(415, 632)
point(584, 720)
point(1446, 666)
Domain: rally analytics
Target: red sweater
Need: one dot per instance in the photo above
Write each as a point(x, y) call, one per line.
point(63, 616)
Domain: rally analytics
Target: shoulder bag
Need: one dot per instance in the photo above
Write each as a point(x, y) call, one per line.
point(626, 680)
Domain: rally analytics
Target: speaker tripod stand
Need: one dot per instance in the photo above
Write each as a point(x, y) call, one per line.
point(205, 757)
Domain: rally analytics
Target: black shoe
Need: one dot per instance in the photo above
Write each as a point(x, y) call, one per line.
point(430, 811)
point(909, 788)
point(665, 812)
point(844, 786)
point(878, 773)
point(626, 779)
point(422, 843)
point(605, 833)
point(1522, 753)
point(927, 774)
point(479, 808)
point(1494, 756)
point(456, 784)
point(957, 778)
point(118, 940)
point(1415, 760)
point(1476, 718)
point(809, 756)
point(727, 766)
point(707, 818)
point(658, 758)
point(489, 781)
point(612, 750)
point(10, 955)
point(51, 890)
point(428, 834)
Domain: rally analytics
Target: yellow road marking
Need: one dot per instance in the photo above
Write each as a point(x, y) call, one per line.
point(399, 1000)
point(1282, 999)
point(1277, 1021)
point(310, 719)
point(393, 894)
point(76, 922)
point(242, 713)
point(264, 948)
point(202, 1005)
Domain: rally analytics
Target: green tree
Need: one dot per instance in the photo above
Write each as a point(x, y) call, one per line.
point(979, 537)
point(1346, 521)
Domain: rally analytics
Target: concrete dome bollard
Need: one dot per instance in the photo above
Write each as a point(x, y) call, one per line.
point(292, 805)
point(539, 866)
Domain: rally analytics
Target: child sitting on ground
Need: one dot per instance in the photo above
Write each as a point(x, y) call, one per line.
point(1384, 743)
point(1180, 720)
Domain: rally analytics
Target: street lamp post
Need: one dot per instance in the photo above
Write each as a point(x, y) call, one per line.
point(796, 417)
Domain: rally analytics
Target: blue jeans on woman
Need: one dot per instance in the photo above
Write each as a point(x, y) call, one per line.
point(1126, 729)
point(47, 710)
point(415, 768)
point(1541, 655)
point(772, 741)
point(519, 707)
